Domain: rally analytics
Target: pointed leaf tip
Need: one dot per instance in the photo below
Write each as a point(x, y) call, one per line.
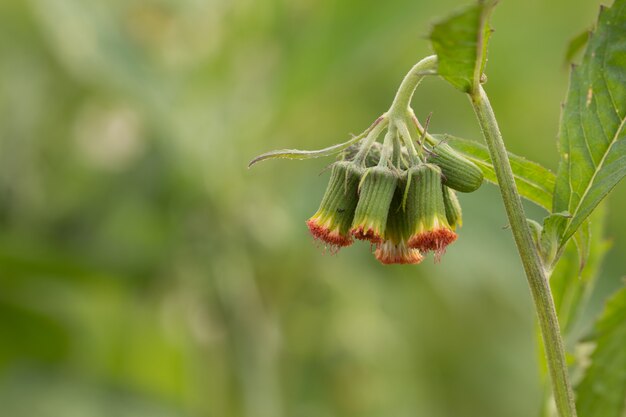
point(593, 123)
point(303, 154)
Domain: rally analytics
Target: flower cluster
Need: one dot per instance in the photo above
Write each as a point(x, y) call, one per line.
point(399, 198)
point(399, 195)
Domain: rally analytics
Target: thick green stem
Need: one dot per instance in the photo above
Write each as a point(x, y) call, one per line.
point(535, 273)
point(401, 102)
point(401, 106)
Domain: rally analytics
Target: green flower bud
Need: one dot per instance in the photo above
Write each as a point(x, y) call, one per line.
point(454, 214)
point(394, 249)
point(459, 172)
point(375, 194)
point(430, 230)
point(331, 223)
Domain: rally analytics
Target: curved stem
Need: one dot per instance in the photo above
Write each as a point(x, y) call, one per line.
point(401, 102)
point(370, 139)
point(535, 272)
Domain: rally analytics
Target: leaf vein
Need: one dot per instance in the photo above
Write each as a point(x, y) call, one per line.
point(586, 140)
point(593, 177)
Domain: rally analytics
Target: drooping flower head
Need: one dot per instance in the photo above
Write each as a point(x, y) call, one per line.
point(394, 249)
point(395, 193)
point(375, 194)
point(332, 221)
point(430, 230)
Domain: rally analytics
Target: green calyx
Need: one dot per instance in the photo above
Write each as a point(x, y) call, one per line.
point(430, 230)
point(451, 203)
point(332, 221)
point(375, 194)
point(394, 249)
point(425, 198)
point(398, 228)
point(459, 173)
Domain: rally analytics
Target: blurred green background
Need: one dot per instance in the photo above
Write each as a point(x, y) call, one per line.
point(144, 271)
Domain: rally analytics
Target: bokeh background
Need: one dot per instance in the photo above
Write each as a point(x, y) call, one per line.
point(145, 271)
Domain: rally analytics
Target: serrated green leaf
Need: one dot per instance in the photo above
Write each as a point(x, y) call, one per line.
point(575, 45)
point(592, 135)
point(534, 182)
point(460, 42)
point(602, 391)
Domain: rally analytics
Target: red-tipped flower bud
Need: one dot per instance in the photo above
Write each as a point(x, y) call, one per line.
point(394, 249)
point(331, 223)
point(429, 226)
point(375, 194)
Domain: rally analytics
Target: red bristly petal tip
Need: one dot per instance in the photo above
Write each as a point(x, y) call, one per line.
point(328, 236)
point(369, 234)
point(433, 240)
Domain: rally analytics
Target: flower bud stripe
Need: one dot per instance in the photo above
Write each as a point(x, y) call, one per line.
point(332, 221)
point(430, 228)
point(394, 249)
point(375, 195)
point(454, 214)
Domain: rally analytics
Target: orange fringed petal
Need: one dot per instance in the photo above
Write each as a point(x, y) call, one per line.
point(435, 240)
point(389, 253)
point(370, 234)
point(331, 237)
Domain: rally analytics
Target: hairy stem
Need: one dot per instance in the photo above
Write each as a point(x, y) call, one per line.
point(535, 273)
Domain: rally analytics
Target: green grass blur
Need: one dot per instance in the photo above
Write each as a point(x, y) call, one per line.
point(144, 271)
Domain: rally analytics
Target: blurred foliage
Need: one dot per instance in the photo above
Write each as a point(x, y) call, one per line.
point(145, 271)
